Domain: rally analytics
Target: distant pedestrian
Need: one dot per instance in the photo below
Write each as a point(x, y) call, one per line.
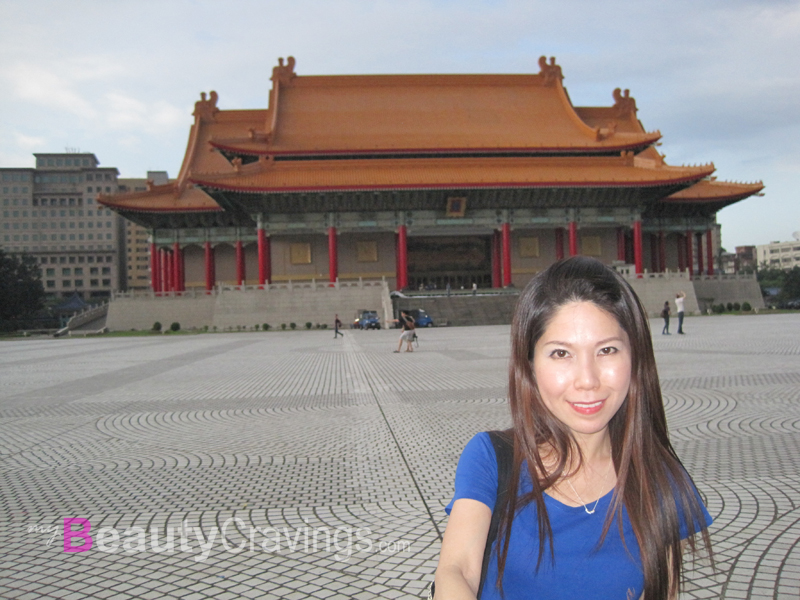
point(679, 298)
point(336, 325)
point(406, 321)
point(474, 288)
point(665, 312)
point(448, 289)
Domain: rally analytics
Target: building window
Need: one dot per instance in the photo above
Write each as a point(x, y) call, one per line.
point(106, 282)
point(94, 282)
point(66, 283)
point(51, 283)
point(66, 272)
point(50, 272)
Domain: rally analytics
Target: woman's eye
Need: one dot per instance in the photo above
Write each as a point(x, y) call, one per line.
point(608, 350)
point(559, 354)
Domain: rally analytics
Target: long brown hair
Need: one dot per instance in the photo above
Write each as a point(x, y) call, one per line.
point(652, 484)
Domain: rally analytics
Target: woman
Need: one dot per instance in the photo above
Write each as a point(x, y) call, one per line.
point(665, 312)
point(598, 504)
point(407, 322)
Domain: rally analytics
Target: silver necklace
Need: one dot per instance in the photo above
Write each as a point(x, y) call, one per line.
point(586, 508)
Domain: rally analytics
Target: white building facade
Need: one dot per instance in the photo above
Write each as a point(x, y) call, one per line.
point(50, 212)
point(779, 255)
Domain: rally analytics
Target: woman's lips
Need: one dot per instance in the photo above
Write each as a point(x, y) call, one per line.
point(588, 408)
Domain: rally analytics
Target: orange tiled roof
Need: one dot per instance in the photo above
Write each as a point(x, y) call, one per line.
point(395, 114)
point(622, 117)
point(718, 191)
point(423, 113)
point(267, 176)
point(169, 197)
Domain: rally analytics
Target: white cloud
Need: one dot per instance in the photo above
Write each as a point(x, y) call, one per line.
point(42, 86)
point(29, 142)
point(126, 113)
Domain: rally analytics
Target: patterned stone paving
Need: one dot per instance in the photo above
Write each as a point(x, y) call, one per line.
point(289, 465)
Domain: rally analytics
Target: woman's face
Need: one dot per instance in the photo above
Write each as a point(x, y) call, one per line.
point(582, 365)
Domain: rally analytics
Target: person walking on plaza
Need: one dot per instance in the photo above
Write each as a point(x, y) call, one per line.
point(665, 315)
point(407, 323)
point(679, 298)
point(336, 325)
point(474, 288)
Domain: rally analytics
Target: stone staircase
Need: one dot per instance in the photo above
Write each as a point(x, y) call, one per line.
point(90, 321)
point(463, 309)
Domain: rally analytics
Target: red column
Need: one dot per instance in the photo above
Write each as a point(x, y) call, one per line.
point(176, 258)
point(637, 247)
point(573, 238)
point(180, 266)
point(170, 276)
point(402, 257)
point(155, 269)
point(662, 252)
point(689, 257)
point(162, 260)
point(506, 244)
point(621, 244)
point(209, 260)
point(559, 243)
point(710, 251)
point(264, 258)
point(700, 267)
point(240, 274)
point(496, 268)
point(333, 265)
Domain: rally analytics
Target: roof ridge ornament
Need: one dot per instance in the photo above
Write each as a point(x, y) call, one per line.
point(204, 109)
point(627, 157)
point(551, 73)
point(282, 73)
point(623, 102)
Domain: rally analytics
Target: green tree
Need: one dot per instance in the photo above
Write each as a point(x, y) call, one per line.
point(21, 290)
point(790, 290)
point(769, 278)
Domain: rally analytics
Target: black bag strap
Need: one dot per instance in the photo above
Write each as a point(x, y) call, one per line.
point(504, 452)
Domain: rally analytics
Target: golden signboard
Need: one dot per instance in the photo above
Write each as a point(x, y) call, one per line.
point(591, 246)
point(300, 254)
point(367, 251)
point(529, 247)
point(456, 207)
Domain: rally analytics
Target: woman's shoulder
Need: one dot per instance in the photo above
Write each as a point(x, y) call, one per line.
point(479, 447)
point(476, 474)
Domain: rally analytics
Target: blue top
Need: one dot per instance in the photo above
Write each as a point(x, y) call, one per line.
point(579, 569)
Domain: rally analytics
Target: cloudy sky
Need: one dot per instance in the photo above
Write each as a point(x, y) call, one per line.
point(718, 78)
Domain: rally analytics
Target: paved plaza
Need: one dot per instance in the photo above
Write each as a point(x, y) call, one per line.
point(292, 465)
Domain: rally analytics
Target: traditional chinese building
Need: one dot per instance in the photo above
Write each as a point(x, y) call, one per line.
point(423, 179)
